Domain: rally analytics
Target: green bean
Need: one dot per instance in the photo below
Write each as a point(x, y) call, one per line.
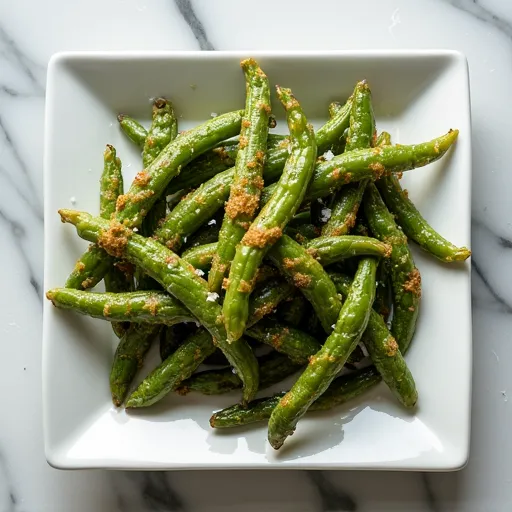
point(128, 358)
point(194, 211)
point(111, 187)
point(173, 371)
point(150, 183)
point(341, 390)
point(331, 249)
point(164, 129)
point(215, 161)
point(268, 226)
point(405, 277)
point(133, 129)
point(266, 298)
point(177, 277)
point(244, 197)
point(137, 307)
point(330, 359)
point(200, 257)
point(374, 163)
point(361, 135)
point(299, 267)
point(111, 182)
point(384, 352)
point(274, 367)
point(172, 336)
point(415, 226)
point(296, 344)
point(89, 269)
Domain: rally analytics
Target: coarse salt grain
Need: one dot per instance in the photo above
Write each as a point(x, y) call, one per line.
point(212, 222)
point(214, 114)
point(199, 272)
point(135, 230)
point(212, 296)
point(328, 155)
point(72, 199)
point(197, 210)
point(325, 214)
point(333, 326)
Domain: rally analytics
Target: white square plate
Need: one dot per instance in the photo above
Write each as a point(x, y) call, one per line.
point(418, 95)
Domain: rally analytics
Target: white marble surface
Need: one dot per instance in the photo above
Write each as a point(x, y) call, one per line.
point(30, 31)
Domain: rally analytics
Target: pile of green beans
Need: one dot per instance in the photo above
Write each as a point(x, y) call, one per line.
point(233, 241)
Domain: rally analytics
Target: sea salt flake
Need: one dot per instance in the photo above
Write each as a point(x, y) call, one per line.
point(212, 296)
point(328, 155)
point(199, 272)
point(212, 222)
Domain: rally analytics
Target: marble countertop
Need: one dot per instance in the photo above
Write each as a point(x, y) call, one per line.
point(31, 31)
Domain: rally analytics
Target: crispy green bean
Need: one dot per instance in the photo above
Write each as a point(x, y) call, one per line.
point(133, 129)
point(296, 344)
point(244, 197)
point(374, 163)
point(136, 307)
point(128, 358)
point(268, 226)
point(341, 390)
point(361, 135)
point(415, 226)
point(177, 277)
point(299, 267)
point(164, 129)
point(331, 249)
point(274, 367)
point(89, 269)
point(330, 359)
point(384, 352)
point(173, 371)
point(405, 277)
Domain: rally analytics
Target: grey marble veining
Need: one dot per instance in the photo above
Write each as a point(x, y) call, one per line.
point(30, 33)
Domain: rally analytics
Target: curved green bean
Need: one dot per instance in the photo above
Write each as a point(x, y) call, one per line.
point(268, 226)
point(130, 353)
point(133, 129)
point(415, 226)
point(178, 367)
point(331, 249)
point(330, 359)
point(244, 197)
point(136, 307)
point(341, 390)
point(374, 163)
point(296, 344)
point(177, 277)
point(164, 129)
point(384, 352)
point(405, 277)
